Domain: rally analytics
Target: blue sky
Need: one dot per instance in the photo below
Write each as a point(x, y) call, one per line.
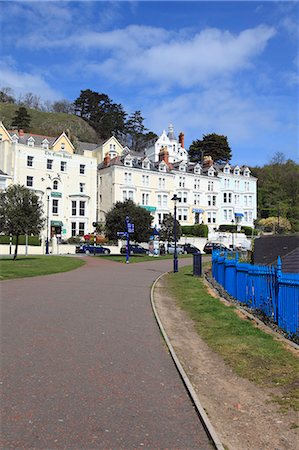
point(224, 67)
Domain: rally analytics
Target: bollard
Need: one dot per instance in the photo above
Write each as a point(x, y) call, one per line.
point(197, 264)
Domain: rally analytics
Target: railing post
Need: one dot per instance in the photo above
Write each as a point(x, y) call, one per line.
point(278, 277)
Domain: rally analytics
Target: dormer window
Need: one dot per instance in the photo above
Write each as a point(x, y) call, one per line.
point(162, 167)
point(62, 147)
point(182, 167)
point(197, 168)
point(128, 161)
point(246, 173)
point(211, 172)
point(15, 139)
point(145, 164)
point(45, 144)
point(237, 171)
point(30, 142)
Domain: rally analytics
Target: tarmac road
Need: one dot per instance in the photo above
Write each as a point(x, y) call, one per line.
point(84, 365)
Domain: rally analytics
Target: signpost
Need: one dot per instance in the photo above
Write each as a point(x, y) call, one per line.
point(130, 229)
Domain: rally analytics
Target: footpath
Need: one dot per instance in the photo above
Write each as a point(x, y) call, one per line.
point(84, 365)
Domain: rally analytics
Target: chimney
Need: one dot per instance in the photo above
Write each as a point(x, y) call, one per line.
point(207, 162)
point(107, 159)
point(164, 155)
point(182, 139)
point(21, 133)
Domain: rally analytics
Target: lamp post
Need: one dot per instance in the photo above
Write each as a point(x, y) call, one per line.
point(48, 190)
point(233, 243)
point(175, 255)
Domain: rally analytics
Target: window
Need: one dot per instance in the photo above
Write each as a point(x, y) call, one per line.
point(55, 206)
point(237, 199)
point(29, 161)
point(62, 147)
point(159, 200)
point(82, 169)
point(128, 178)
point(210, 186)
point(82, 208)
point(45, 145)
point(237, 184)
point(82, 187)
point(145, 180)
point(237, 171)
point(182, 181)
point(63, 166)
point(1, 137)
point(112, 147)
point(226, 183)
point(128, 195)
point(144, 199)
point(161, 183)
point(226, 170)
point(246, 173)
point(211, 217)
point(211, 200)
point(162, 167)
point(225, 214)
point(128, 161)
point(73, 229)
point(182, 168)
point(196, 199)
point(145, 164)
point(164, 201)
point(196, 183)
point(55, 185)
point(29, 182)
point(250, 200)
point(245, 200)
point(74, 208)
point(247, 186)
point(49, 164)
point(183, 214)
point(81, 228)
point(227, 197)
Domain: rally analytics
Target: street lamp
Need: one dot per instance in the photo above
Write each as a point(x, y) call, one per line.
point(175, 255)
point(48, 190)
point(233, 243)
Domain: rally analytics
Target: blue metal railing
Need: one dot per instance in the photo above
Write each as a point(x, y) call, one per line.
point(265, 288)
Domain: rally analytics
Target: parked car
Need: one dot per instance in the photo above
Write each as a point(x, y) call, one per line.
point(179, 249)
point(135, 249)
point(89, 249)
point(210, 246)
point(190, 248)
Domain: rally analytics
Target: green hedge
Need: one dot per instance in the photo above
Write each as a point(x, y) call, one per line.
point(248, 231)
point(200, 230)
point(32, 240)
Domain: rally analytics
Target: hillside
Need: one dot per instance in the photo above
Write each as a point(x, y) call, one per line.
point(50, 124)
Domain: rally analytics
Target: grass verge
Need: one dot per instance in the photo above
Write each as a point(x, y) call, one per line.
point(31, 266)
point(250, 352)
point(141, 258)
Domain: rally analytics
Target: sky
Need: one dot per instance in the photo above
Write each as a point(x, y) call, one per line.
point(220, 67)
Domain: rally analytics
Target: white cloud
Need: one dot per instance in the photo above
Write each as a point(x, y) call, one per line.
point(22, 82)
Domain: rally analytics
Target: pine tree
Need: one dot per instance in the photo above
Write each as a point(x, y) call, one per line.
point(22, 119)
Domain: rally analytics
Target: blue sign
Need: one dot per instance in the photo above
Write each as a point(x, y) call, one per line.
point(121, 233)
point(130, 227)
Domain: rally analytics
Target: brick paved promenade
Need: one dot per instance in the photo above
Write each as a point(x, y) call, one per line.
point(84, 365)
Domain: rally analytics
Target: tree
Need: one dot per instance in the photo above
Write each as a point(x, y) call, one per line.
point(30, 100)
point(278, 193)
point(7, 95)
point(276, 225)
point(213, 145)
point(63, 106)
point(21, 212)
point(135, 130)
point(116, 221)
point(22, 119)
point(167, 229)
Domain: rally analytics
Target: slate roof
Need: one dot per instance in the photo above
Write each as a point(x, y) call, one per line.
point(268, 248)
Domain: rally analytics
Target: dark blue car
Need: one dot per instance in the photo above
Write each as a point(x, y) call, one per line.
point(91, 249)
point(135, 249)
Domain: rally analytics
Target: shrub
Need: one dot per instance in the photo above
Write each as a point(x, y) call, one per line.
point(199, 230)
point(74, 240)
point(32, 240)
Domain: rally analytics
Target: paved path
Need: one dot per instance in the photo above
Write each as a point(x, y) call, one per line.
point(84, 365)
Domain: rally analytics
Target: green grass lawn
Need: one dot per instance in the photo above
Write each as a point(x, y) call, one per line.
point(140, 258)
point(251, 353)
point(31, 266)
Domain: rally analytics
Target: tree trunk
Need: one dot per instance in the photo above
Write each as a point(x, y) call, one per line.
point(16, 248)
